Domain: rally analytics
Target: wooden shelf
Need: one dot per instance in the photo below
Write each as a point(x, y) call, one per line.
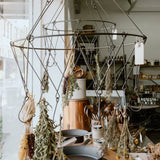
point(150, 79)
point(145, 107)
point(149, 66)
point(92, 93)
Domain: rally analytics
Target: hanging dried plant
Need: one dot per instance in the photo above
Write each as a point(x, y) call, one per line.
point(26, 149)
point(108, 83)
point(22, 154)
point(45, 82)
point(112, 134)
point(45, 142)
point(126, 143)
point(71, 86)
point(59, 150)
point(97, 68)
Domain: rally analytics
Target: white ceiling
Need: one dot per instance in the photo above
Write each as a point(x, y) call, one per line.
point(147, 5)
point(140, 5)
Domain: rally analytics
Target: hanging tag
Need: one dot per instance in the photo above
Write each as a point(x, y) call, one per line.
point(139, 53)
point(114, 36)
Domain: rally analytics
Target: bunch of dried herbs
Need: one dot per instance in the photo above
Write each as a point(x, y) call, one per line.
point(45, 82)
point(108, 84)
point(45, 141)
point(112, 134)
point(71, 86)
point(126, 143)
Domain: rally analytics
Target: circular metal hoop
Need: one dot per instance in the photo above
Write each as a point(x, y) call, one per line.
point(78, 21)
point(15, 43)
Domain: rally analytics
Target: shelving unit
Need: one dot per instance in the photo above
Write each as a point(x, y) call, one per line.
point(145, 107)
point(115, 94)
point(149, 87)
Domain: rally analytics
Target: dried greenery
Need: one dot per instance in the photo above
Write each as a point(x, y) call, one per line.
point(126, 143)
point(45, 142)
point(46, 139)
point(97, 68)
point(108, 84)
point(71, 86)
point(45, 82)
point(112, 134)
point(59, 150)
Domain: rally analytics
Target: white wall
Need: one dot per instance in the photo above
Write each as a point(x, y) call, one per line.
point(54, 73)
point(148, 22)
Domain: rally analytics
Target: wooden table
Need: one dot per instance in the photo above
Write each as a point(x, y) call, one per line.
point(111, 155)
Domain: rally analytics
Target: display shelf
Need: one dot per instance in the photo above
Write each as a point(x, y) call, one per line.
point(115, 93)
point(149, 66)
point(150, 79)
point(145, 107)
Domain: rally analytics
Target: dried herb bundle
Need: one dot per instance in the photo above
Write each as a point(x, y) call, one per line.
point(26, 149)
point(45, 142)
point(126, 143)
point(112, 134)
point(97, 68)
point(71, 86)
point(59, 150)
point(108, 84)
point(45, 82)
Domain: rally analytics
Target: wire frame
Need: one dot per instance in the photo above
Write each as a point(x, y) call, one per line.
point(49, 48)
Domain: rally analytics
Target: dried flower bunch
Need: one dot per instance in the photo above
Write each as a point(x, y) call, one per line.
point(70, 85)
point(26, 149)
point(112, 134)
point(126, 143)
point(45, 141)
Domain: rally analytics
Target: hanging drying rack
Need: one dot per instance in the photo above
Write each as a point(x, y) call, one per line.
point(53, 35)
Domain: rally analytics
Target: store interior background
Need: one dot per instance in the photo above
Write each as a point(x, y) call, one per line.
point(15, 22)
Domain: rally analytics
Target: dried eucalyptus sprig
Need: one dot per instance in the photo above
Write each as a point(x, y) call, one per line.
point(45, 142)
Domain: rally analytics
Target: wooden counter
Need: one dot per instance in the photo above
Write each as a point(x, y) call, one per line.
point(111, 155)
